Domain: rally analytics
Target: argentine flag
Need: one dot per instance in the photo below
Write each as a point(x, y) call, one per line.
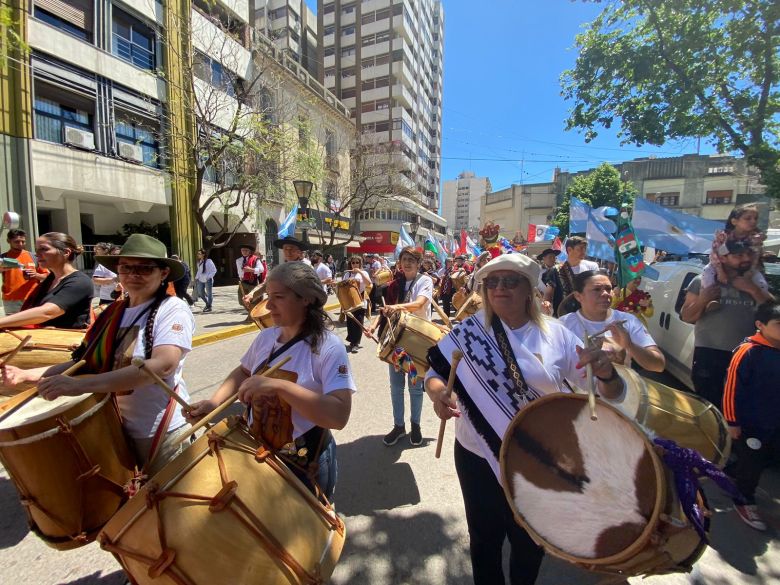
point(601, 244)
point(288, 227)
point(404, 240)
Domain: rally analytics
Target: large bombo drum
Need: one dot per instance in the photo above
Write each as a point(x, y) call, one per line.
point(595, 493)
point(470, 307)
point(225, 511)
point(685, 418)
point(412, 335)
point(383, 276)
point(69, 461)
point(48, 346)
point(459, 278)
point(348, 294)
point(261, 315)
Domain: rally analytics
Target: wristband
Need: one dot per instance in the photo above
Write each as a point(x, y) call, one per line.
point(614, 376)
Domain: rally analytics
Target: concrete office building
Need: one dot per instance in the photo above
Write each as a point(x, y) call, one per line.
point(292, 27)
point(383, 59)
point(461, 200)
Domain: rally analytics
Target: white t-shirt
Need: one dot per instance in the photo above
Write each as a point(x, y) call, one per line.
point(323, 272)
point(105, 290)
point(584, 266)
point(556, 350)
point(579, 325)
point(142, 410)
point(206, 270)
point(322, 372)
point(423, 286)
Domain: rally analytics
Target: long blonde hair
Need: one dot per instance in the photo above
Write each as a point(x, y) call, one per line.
point(535, 313)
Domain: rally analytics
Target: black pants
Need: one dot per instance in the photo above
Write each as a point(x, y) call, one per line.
point(709, 373)
point(446, 304)
point(376, 297)
point(751, 463)
point(490, 521)
point(354, 332)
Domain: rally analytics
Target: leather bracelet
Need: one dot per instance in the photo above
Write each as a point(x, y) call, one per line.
point(612, 377)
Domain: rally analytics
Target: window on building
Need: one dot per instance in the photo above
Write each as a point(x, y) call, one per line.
point(330, 72)
point(670, 199)
point(367, 40)
point(347, 93)
point(329, 8)
point(368, 18)
point(329, 30)
point(141, 132)
point(347, 72)
point(71, 16)
point(329, 51)
point(132, 40)
point(280, 12)
point(383, 14)
point(368, 106)
point(54, 110)
point(382, 104)
point(381, 37)
point(348, 51)
point(721, 197)
point(348, 30)
point(304, 129)
point(721, 170)
point(348, 9)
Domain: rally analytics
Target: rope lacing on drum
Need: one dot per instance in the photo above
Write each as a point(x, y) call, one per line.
point(226, 500)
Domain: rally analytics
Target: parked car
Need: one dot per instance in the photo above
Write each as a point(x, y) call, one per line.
point(671, 333)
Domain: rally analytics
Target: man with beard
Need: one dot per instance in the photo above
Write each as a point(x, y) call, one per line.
point(720, 327)
point(322, 270)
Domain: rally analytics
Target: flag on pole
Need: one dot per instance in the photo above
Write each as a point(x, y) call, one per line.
point(600, 242)
point(404, 240)
point(471, 247)
point(288, 226)
point(556, 245)
point(541, 233)
point(672, 231)
point(463, 249)
point(578, 216)
point(430, 244)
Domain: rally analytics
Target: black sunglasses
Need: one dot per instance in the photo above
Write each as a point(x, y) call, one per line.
point(508, 282)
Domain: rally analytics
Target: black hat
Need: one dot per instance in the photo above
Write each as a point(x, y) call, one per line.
point(460, 257)
point(734, 247)
point(547, 251)
point(290, 240)
point(247, 246)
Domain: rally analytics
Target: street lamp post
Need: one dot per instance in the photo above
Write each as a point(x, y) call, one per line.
point(414, 226)
point(303, 191)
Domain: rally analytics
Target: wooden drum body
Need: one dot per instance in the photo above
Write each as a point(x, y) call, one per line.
point(383, 276)
point(48, 346)
point(458, 299)
point(685, 418)
point(469, 307)
point(261, 315)
point(69, 461)
point(595, 493)
point(459, 279)
point(412, 334)
point(225, 511)
point(348, 293)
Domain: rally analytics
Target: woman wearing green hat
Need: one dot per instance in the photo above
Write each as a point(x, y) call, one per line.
point(147, 324)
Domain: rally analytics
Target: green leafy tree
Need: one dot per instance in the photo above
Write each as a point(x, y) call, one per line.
point(601, 187)
point(688, 68)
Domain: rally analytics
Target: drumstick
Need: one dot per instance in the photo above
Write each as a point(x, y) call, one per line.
point(591, 382)
point(457, 355)
point(444, 317)
point(9, 356)
point(227, 402)
point(366, 331)
point(19, 337)
point(34, 392)
point(139, 363)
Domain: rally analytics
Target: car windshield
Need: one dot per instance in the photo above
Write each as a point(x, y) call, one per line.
point(772, 273)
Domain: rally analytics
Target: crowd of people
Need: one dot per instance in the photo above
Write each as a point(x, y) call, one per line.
point(545, 324)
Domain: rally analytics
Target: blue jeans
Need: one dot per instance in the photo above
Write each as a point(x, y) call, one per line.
point(203, 290)
point(397, 380)
point(328, 471)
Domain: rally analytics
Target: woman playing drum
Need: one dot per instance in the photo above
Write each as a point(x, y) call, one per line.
point(321, 398)
point(63, 299)
point(147, 324)
point(413, 292)
point(512, 355)
point(355, 329)
point(626, 337)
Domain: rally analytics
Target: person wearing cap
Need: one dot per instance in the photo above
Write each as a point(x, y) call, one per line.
point(322, 270)
point(64, 298)
point(560, 279)
point(146, 324)
point(728, 321)
point(509, 334)
point(547, 262)
point(249, 267)
point(320, 398)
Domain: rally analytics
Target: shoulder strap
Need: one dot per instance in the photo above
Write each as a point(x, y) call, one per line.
point(521, 387)
point(276, 353)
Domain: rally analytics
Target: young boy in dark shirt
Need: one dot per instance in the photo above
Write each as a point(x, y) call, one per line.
point(751, 405)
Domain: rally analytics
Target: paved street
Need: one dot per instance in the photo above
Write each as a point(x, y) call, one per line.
point(403, 510)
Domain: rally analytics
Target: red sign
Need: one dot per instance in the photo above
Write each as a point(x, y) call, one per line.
point(378, 242)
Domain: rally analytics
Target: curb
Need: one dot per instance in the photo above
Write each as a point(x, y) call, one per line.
point(226, 333)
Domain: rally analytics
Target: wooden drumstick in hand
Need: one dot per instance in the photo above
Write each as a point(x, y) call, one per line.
point(366, 331)
point(141, 365)
point(591, 382)
point(9, 356)
point(457, 355)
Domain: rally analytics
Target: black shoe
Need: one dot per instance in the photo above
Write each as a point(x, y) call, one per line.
point(415, 438)
point(392, 437)
point(207, 310)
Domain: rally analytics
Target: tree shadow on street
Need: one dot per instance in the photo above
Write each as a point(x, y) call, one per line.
point(371, 478)
point(115, 578)
point(13, 522)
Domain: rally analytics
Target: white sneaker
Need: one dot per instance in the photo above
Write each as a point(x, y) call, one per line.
point(750, 516)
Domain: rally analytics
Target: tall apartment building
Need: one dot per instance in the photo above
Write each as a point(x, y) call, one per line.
point(461, 200)
point(292, 27)
point(383, 59)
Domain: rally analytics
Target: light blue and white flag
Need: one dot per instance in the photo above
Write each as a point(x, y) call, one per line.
point(672, 231)
point(288, 226)
point(472, 248)
point(601, 244)
point(578, 216)
point(404, 240)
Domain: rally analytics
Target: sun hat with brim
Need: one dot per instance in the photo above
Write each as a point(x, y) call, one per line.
point(547, 251)
point(513, 262)
point(144, 247)
point(290, 240)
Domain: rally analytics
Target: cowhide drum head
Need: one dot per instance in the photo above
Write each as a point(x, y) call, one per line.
point(587, 491)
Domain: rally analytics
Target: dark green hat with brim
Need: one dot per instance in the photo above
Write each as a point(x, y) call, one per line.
point(144, 247)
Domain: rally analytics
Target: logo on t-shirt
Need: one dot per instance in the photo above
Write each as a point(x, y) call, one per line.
point(343, 371)
point(177, 327)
